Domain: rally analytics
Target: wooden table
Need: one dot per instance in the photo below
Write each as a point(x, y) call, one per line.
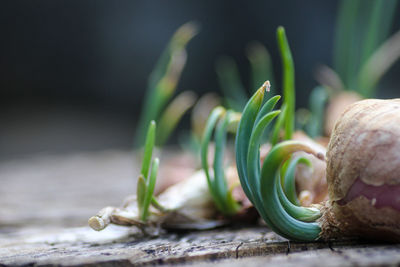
point(46, 201)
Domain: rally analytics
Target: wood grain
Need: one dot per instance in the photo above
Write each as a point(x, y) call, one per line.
point(46, 201)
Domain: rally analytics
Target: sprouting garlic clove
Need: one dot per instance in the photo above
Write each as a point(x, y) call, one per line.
point(188, 204)
point(365, 144)
point(363, 172)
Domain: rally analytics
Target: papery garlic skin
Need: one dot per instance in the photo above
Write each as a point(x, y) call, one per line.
point(364, 153)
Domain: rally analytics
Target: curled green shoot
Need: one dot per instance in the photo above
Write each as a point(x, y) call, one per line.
point(243, 134)
point(288, 195)
point(220, 119)
point(255, 140)
point(289, 223)
point(289, 182)
point(148, 175)
point(288, 83)
point(261, 184)
point(305, 214)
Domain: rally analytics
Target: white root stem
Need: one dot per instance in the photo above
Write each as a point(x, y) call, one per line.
point(102, 219)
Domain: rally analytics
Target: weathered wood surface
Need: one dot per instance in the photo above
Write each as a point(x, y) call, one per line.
point(46, 201)
point(81, 246)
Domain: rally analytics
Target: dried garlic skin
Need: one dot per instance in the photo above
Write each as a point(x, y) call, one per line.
point(363, 172)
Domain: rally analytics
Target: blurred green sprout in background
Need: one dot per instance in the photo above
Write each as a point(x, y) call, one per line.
point(235, 93)
point(162, 85)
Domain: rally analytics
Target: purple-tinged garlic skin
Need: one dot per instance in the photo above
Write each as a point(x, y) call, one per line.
point(363, 172)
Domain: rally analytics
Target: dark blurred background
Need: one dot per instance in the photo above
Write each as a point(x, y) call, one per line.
point(73, 73)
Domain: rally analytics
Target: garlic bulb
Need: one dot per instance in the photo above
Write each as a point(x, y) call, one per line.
point(363, 172)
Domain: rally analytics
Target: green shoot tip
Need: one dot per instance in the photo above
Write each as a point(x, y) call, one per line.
point(266, 86)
